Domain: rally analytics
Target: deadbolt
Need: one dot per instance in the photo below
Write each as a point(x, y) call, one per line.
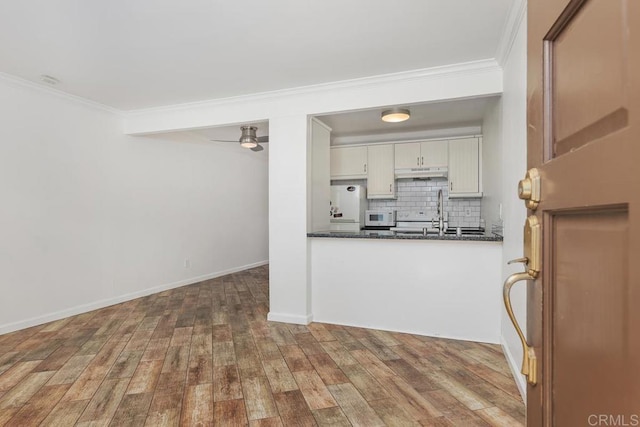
point(529, 189)
point(524, 189)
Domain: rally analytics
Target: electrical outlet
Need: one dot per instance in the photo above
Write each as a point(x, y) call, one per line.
point(187, 263)
point(467, 211)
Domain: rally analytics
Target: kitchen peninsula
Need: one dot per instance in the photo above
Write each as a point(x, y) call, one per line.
point(444, 286)
point(383, 234)
point(413, 273)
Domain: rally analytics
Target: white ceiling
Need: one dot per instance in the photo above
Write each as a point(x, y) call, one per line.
point(428, 116)
point(131, 54)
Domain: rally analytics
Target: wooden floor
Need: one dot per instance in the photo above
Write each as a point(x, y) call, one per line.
point(205, 355)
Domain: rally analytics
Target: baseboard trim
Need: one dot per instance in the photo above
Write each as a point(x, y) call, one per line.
point(515, 370)
point(39, 320)
point(408, 331)
point(289, 318)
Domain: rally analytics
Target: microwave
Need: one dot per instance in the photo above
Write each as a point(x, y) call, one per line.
point(380, 218)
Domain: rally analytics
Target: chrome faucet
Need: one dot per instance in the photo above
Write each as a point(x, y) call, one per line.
point(440, 214)
point(442, 223)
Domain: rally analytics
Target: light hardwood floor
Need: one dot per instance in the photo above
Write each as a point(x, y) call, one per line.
point(205, 355)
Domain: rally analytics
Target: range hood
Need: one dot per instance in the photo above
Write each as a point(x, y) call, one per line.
point(441, 172)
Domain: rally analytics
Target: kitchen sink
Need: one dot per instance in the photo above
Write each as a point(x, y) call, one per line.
point(465, 231)
point(424, 227)
point(449, 232)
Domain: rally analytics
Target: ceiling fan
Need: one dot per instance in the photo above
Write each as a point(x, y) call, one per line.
point(248, 139)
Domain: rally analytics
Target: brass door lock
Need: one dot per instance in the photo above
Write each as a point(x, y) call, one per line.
point(532, 262)
point(529, 189)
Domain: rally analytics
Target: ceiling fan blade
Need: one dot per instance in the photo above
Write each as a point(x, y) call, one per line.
point(221, 140)
point(257, 148)
point(263, 138)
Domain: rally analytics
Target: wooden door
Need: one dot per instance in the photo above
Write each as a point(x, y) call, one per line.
point(584, 139)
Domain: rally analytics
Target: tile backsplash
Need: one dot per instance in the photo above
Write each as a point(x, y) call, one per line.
point(417, 194)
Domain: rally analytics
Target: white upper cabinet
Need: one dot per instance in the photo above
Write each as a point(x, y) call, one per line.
point(418, 159)
point(380, 164)
point(434, 154)
point(380, 177)
point(407, 155)
point(464, 168)
point(349, 162)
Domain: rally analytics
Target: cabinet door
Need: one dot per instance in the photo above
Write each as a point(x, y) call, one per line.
point(464, 167)
point(407, 155)
point(319, 192)
point(380, 178)
point(348, 162)
point(434, 154)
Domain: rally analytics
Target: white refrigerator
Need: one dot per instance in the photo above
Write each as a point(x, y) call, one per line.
point(347, 207)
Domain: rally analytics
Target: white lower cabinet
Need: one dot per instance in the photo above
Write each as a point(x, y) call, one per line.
point(380, 174)
point(464, 168)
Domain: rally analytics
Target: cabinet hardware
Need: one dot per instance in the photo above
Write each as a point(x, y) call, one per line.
point(422, 164)
point(418, 160)
point(451, 186)
point(365, 167)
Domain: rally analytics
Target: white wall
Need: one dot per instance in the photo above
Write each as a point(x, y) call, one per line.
point(90, 216)
point(492, 146)
point(514, 166)
point(289, 287)
point(438, 288)
point(287, 112)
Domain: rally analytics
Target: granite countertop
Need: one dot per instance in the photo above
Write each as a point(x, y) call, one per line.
point(377, 234)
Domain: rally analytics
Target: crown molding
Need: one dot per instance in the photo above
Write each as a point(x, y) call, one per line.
point(433, 73)
point(517, 12)
point(20, 82)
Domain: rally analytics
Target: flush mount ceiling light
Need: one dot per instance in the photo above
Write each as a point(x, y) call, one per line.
point(249, 138)
point(395, 115)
